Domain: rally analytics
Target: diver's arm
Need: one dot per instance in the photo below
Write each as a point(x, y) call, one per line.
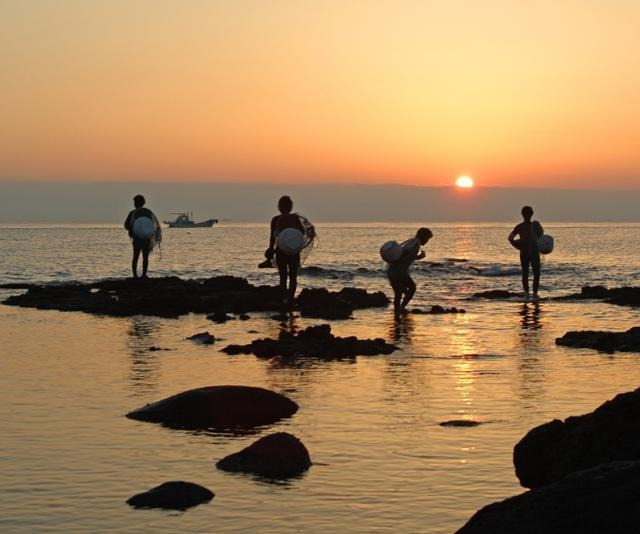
point(272, 239)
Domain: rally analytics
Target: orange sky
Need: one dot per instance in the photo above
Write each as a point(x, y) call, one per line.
point(511, 92)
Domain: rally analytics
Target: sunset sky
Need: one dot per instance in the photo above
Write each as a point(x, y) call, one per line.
point(513, 93)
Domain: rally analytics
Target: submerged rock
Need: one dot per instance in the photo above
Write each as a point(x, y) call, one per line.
point(279, 455)
point(314, 342)
point(628, 341)
point(497, 294)
point(204, 338)
point(436, 310)
point(218, 407)
point(176, 495)
point(551, 451)
point(219, 317)
point(600, 500)
point(622, 296)
point(460, 423)
point(172, 297)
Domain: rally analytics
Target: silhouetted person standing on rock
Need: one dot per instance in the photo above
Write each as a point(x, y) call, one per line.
point(286, 246)
point(145, 233)
point(528, 232)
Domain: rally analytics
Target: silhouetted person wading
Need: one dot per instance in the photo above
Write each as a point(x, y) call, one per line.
point(398, 271)
point(528, 232)
point(285, 247)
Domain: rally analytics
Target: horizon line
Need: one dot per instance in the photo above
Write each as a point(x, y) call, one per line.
point(307, 185)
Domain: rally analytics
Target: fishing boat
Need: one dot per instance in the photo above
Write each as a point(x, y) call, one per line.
point(185, 220)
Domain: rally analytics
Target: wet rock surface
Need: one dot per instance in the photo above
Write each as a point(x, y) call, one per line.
point(610, 342)
point(175, 495)
point(497, 294)
point(219, 317)
point(594, 501)
point(436, 309)
point(279, 455)
point(218, 408)
point(313, 342)
point(172, 297)
point(460, 423)
point(324, 304)
point(622, 296)
point(551, 451)
point(203, 338)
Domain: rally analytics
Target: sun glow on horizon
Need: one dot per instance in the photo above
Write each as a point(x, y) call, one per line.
point(465, 182)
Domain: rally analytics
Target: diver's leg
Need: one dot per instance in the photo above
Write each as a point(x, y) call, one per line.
point(294, 264)
point(409, 291)
point(535, 265)
point(134, 261)
point(145, 260)
point(397, 293)
point(281, 262)
point(524, 264)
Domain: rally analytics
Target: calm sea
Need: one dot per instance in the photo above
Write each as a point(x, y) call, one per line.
point(69, 458)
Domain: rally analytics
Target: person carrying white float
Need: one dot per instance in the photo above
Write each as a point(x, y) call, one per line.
point(291, 234)
point(145, 233)
point(400, 257)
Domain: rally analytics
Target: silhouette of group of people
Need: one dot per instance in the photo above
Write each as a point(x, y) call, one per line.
point(523, 237)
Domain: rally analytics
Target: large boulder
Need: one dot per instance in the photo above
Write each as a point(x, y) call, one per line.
point(176, 495)
point(313, 342)
point(218, 408)
point(551, 451)
point(600, 500)
point(279, 455)
point(603, 341)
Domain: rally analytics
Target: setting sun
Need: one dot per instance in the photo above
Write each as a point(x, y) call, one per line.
point(464, 181)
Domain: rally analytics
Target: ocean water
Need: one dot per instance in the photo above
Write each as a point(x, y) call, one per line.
point(69, 458)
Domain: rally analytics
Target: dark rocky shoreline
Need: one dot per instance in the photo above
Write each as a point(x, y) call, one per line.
point(584, 473)
point(172, 297)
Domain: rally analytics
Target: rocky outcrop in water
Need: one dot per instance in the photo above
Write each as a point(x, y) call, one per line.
point(594, 501)
point(172, 297)
point(203, 338)
point(176, 495)
point(497, 294)
point(436, 309)
point(325, 304)
point(610, 342)
point(553, 450)
point(460, 423)
point(218, 408)
point(279, 455)
point(313, 342)
point(622, 296)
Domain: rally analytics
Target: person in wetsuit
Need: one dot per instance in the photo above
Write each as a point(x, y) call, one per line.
point(525, 237)
point(398, 271)
point(140, 245)
point(288, 264)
